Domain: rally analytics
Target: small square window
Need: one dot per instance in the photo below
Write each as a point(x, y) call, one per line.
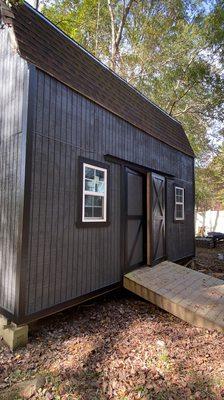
point(94, 207)
point(179, 204)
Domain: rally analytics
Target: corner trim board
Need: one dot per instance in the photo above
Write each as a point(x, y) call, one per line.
point(28, 137)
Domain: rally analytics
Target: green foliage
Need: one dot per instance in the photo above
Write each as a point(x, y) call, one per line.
point(86, 21)
point(210, 183)
point(172, 51)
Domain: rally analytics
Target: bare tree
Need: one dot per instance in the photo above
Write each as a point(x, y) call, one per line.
point(117, 31)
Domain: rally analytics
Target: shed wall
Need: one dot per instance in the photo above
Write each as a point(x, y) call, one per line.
point(13, 111)
point(65, 261)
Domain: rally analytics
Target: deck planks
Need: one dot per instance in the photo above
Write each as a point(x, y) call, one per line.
point(190, 295)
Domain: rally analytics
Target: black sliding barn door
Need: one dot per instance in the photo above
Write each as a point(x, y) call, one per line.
point(158, 218)
point(135, 220)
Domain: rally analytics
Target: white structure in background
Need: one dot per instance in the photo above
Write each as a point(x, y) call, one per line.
point(211, 220)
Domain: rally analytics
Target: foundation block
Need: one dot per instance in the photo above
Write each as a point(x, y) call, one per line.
point(14, 336)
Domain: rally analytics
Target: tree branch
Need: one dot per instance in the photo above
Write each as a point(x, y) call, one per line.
point(116, 33)
point(177, 100)
point(97, 27)
point(113, 35)
point(126, 11)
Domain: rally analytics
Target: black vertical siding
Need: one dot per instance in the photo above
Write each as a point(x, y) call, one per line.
point(13, 95)
point(65, 261)
point(180, 234)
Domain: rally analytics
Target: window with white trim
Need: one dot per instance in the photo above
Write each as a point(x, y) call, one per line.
point(179, 203)
point(94, 199)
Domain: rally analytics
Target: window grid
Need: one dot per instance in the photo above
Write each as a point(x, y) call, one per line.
point(179, 203)
point(97, 199)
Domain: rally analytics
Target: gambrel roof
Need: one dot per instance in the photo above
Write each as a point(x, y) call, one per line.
point(44, 45)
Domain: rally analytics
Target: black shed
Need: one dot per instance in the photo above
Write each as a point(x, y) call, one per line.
point(95, 179)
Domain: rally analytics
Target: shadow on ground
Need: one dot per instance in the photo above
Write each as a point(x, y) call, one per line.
point(120, 347)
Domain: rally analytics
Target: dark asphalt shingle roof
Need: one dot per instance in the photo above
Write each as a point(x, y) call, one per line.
point(43, 44)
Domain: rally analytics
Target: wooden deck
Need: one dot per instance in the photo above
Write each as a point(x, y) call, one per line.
point(190, 295)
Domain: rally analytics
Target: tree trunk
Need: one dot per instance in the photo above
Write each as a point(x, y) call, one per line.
point(117, 31)
point(97, 28)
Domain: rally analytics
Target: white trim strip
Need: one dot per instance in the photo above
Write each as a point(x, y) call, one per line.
point(180, 203)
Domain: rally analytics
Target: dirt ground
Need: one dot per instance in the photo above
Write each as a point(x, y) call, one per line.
point(207, 261)
point(118, 347)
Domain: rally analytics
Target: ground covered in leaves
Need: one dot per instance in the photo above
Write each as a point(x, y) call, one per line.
point(208, 262)
point(117, 347)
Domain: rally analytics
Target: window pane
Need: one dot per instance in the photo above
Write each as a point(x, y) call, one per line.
point(88, 212)
point(89, 201)
point(98, 201)
point(89, 186)
point(93, 207)
point(99, 187)
point(179, 199)
point(94, 180)
point(98, 212)
point(179, 211)
point(94, 186)
point(179, 195)
point(89, 173)
point(100, 175)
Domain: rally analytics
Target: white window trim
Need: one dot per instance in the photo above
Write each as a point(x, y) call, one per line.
point(97, 194)
point(182, 203)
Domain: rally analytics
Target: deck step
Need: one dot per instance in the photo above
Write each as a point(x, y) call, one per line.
point(194, 297)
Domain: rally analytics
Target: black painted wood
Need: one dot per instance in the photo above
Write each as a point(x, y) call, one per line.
point(46, 260)
point(13, 118)
point(158, 212)
point(66, 261)
point(135, 227)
